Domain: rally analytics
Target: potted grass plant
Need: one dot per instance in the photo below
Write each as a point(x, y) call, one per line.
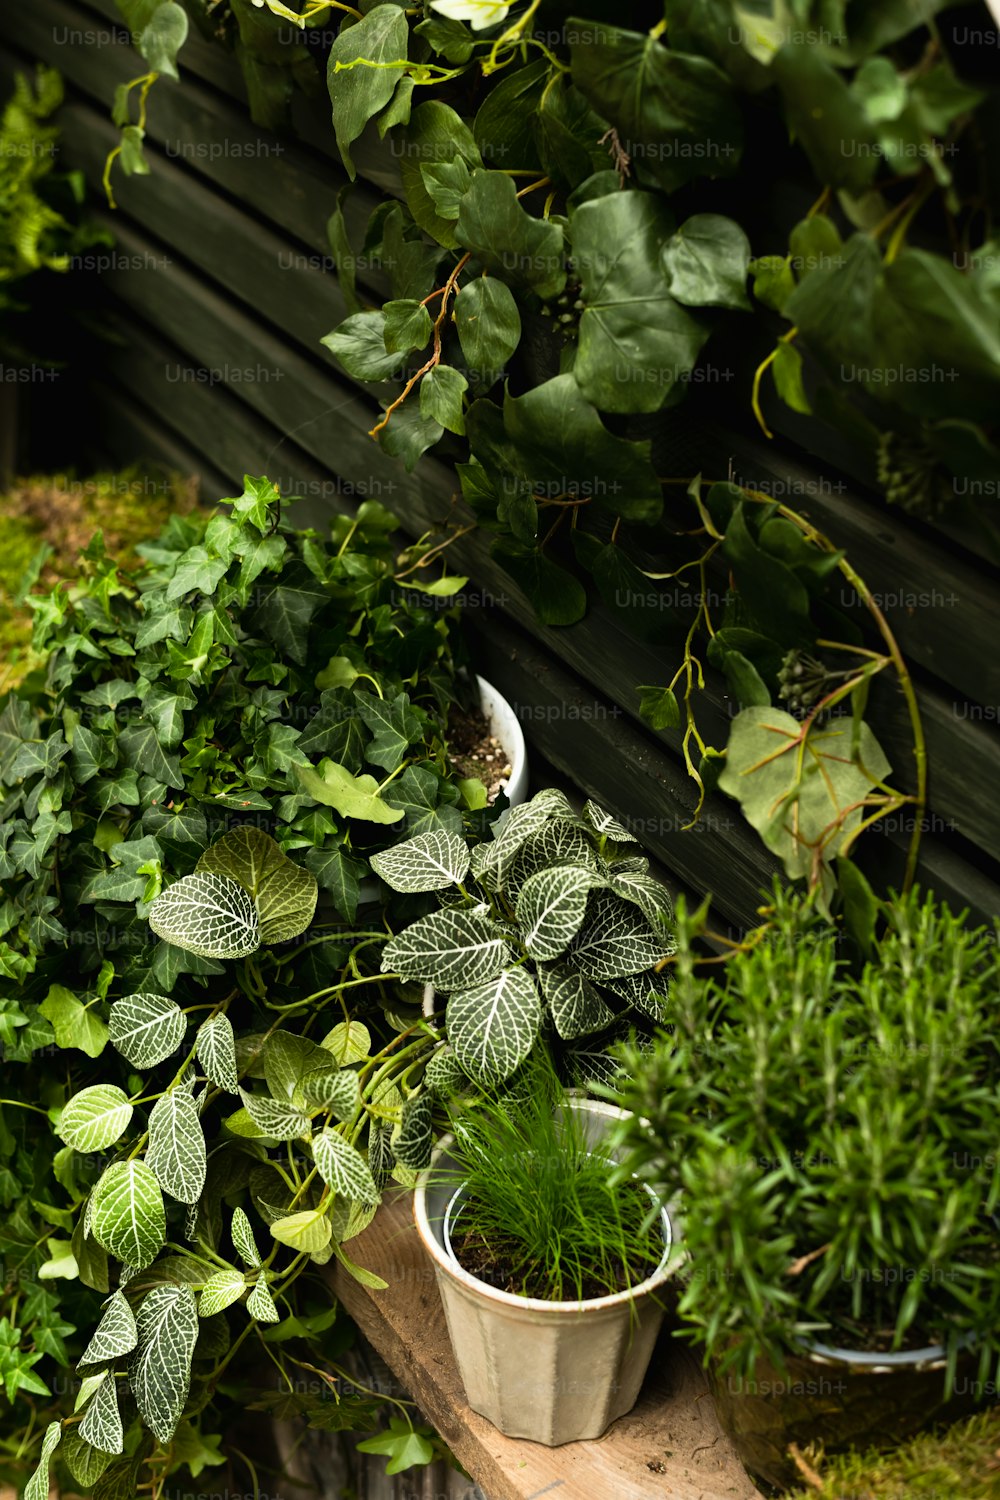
point(833, 1132)
point(548, 1272)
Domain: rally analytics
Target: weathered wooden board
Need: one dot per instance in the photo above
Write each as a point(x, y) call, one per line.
point(670, 1447)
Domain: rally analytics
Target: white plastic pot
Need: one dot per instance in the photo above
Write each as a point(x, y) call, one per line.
point(553, 1372)
point(504, 723)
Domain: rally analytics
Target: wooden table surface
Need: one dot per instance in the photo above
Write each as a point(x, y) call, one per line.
point(669, 1447)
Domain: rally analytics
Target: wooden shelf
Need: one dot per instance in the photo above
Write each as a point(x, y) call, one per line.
point(669, 1447)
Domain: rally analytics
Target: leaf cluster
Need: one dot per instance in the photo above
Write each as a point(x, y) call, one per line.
point(549, 928)
point(832, 1132)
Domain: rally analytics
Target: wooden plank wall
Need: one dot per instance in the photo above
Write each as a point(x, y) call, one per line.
point(218, 292)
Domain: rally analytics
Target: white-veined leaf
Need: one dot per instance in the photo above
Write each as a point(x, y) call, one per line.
point(349, 1041)
point(176, 1153)
point(283, 892)
point(88, 1385)
point(114, 1335)
point(380, 1158)
point(646, 992)
point(493, 1026)
point(551, 907)
point(160, 1370)
point(559, 842)
point(243, 1238)
point(84, 1462)
point(95, 1118)
point(449, 948)
point(343, 1168)
point(37, 1487)
point(652, 898)
point(413, 1137)
point(333, 1088)
point(215, 1049)
point(260, 1303)
point(102, 1423)
point(444, 1074)
point(279, 1121)
point(146, 1028)
point(221, 1291)
point(520, 823)
point(615, 939)
point(309, 1230)
point(207, 914)
point(286, 1057)
point(128, 1218)
point(605, 824)
point(577, 1008)
point(428, 862)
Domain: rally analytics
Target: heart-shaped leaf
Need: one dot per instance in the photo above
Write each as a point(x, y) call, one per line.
point(221, 1291)
point(210, 915)
point(448, 948)
point(429, 862)
point(343, 1168)
point(282, 891)
point(176, 1154)
point(551, 907)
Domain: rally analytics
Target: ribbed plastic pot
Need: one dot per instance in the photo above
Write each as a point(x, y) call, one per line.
point(841, 1398)
point(553, 1372)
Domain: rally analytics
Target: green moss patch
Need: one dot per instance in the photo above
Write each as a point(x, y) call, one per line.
point(961, 1463)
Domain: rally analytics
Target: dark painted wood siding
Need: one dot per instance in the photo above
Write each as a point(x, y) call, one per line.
point(213, 304)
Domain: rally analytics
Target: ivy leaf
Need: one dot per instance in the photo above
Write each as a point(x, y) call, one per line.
point(102, 1423)
point(551, 906)
point(828, 120)
point(577, 1008)
point(339, 874)
point(141, 749)
point(418, 793)
point(786, 368)
point(394, 724)
point(221, 1291)
point(659, 707)
point(95, 1118)
point(441, 392)
point(492, 224)
point(160, 1372)
point(114, 1336)
point(146, 1028)
point(207, 914)
point(358, 93)
point(159, 42)
point(676, 115)
point(308, 1230)
point(446, 182)
point(805, 802)
point(243, 1239)
point(343, 1168)
point(557, 596)
point(40, 756)
point(260, 1303)
point(407, 325)
point(352, 796)
point(128, 1218)
point(435, 134)
point(429, 862)
point(285, 614)
point(215, 1049)
point(176, 1154)
point(492, 1026)
point(706, 262)
point(449, 948)
point(488, 325)
point(637, 344)
point(404, 1447)
point(37, 1487)
point(360, 345)
point(283, 893)
point(75, 1025)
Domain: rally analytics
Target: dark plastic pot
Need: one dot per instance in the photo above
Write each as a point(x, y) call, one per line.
point(840, 1398)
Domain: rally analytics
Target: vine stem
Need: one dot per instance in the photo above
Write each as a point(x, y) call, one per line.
point(867, 598)
point(435, 358)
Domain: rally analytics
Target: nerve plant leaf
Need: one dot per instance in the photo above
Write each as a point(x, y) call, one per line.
point(309, 1230)
point(615, 939)
point(493, 1026)
point(114, 1336)
point(102, 1423)
point(343, 1168)
point(176, 1154)
point(243, 1238)
point(95, 1118)
point(280, 1121)
point(282, 891)
point(146, 1029)
point(215, 1049)
point(207, 914)
point(127, 1215)
point(260, 1303)
point(448, 948)
point(221, 1291)
point(551, 907)
point(37, 1487)
point(577, 1008)
point(160, 1371)
point(429, 862)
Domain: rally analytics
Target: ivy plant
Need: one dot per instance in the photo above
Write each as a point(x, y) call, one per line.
point(553, 927)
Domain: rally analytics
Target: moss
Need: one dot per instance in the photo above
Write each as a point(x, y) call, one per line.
point(45, 523)
point(961, 1463)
